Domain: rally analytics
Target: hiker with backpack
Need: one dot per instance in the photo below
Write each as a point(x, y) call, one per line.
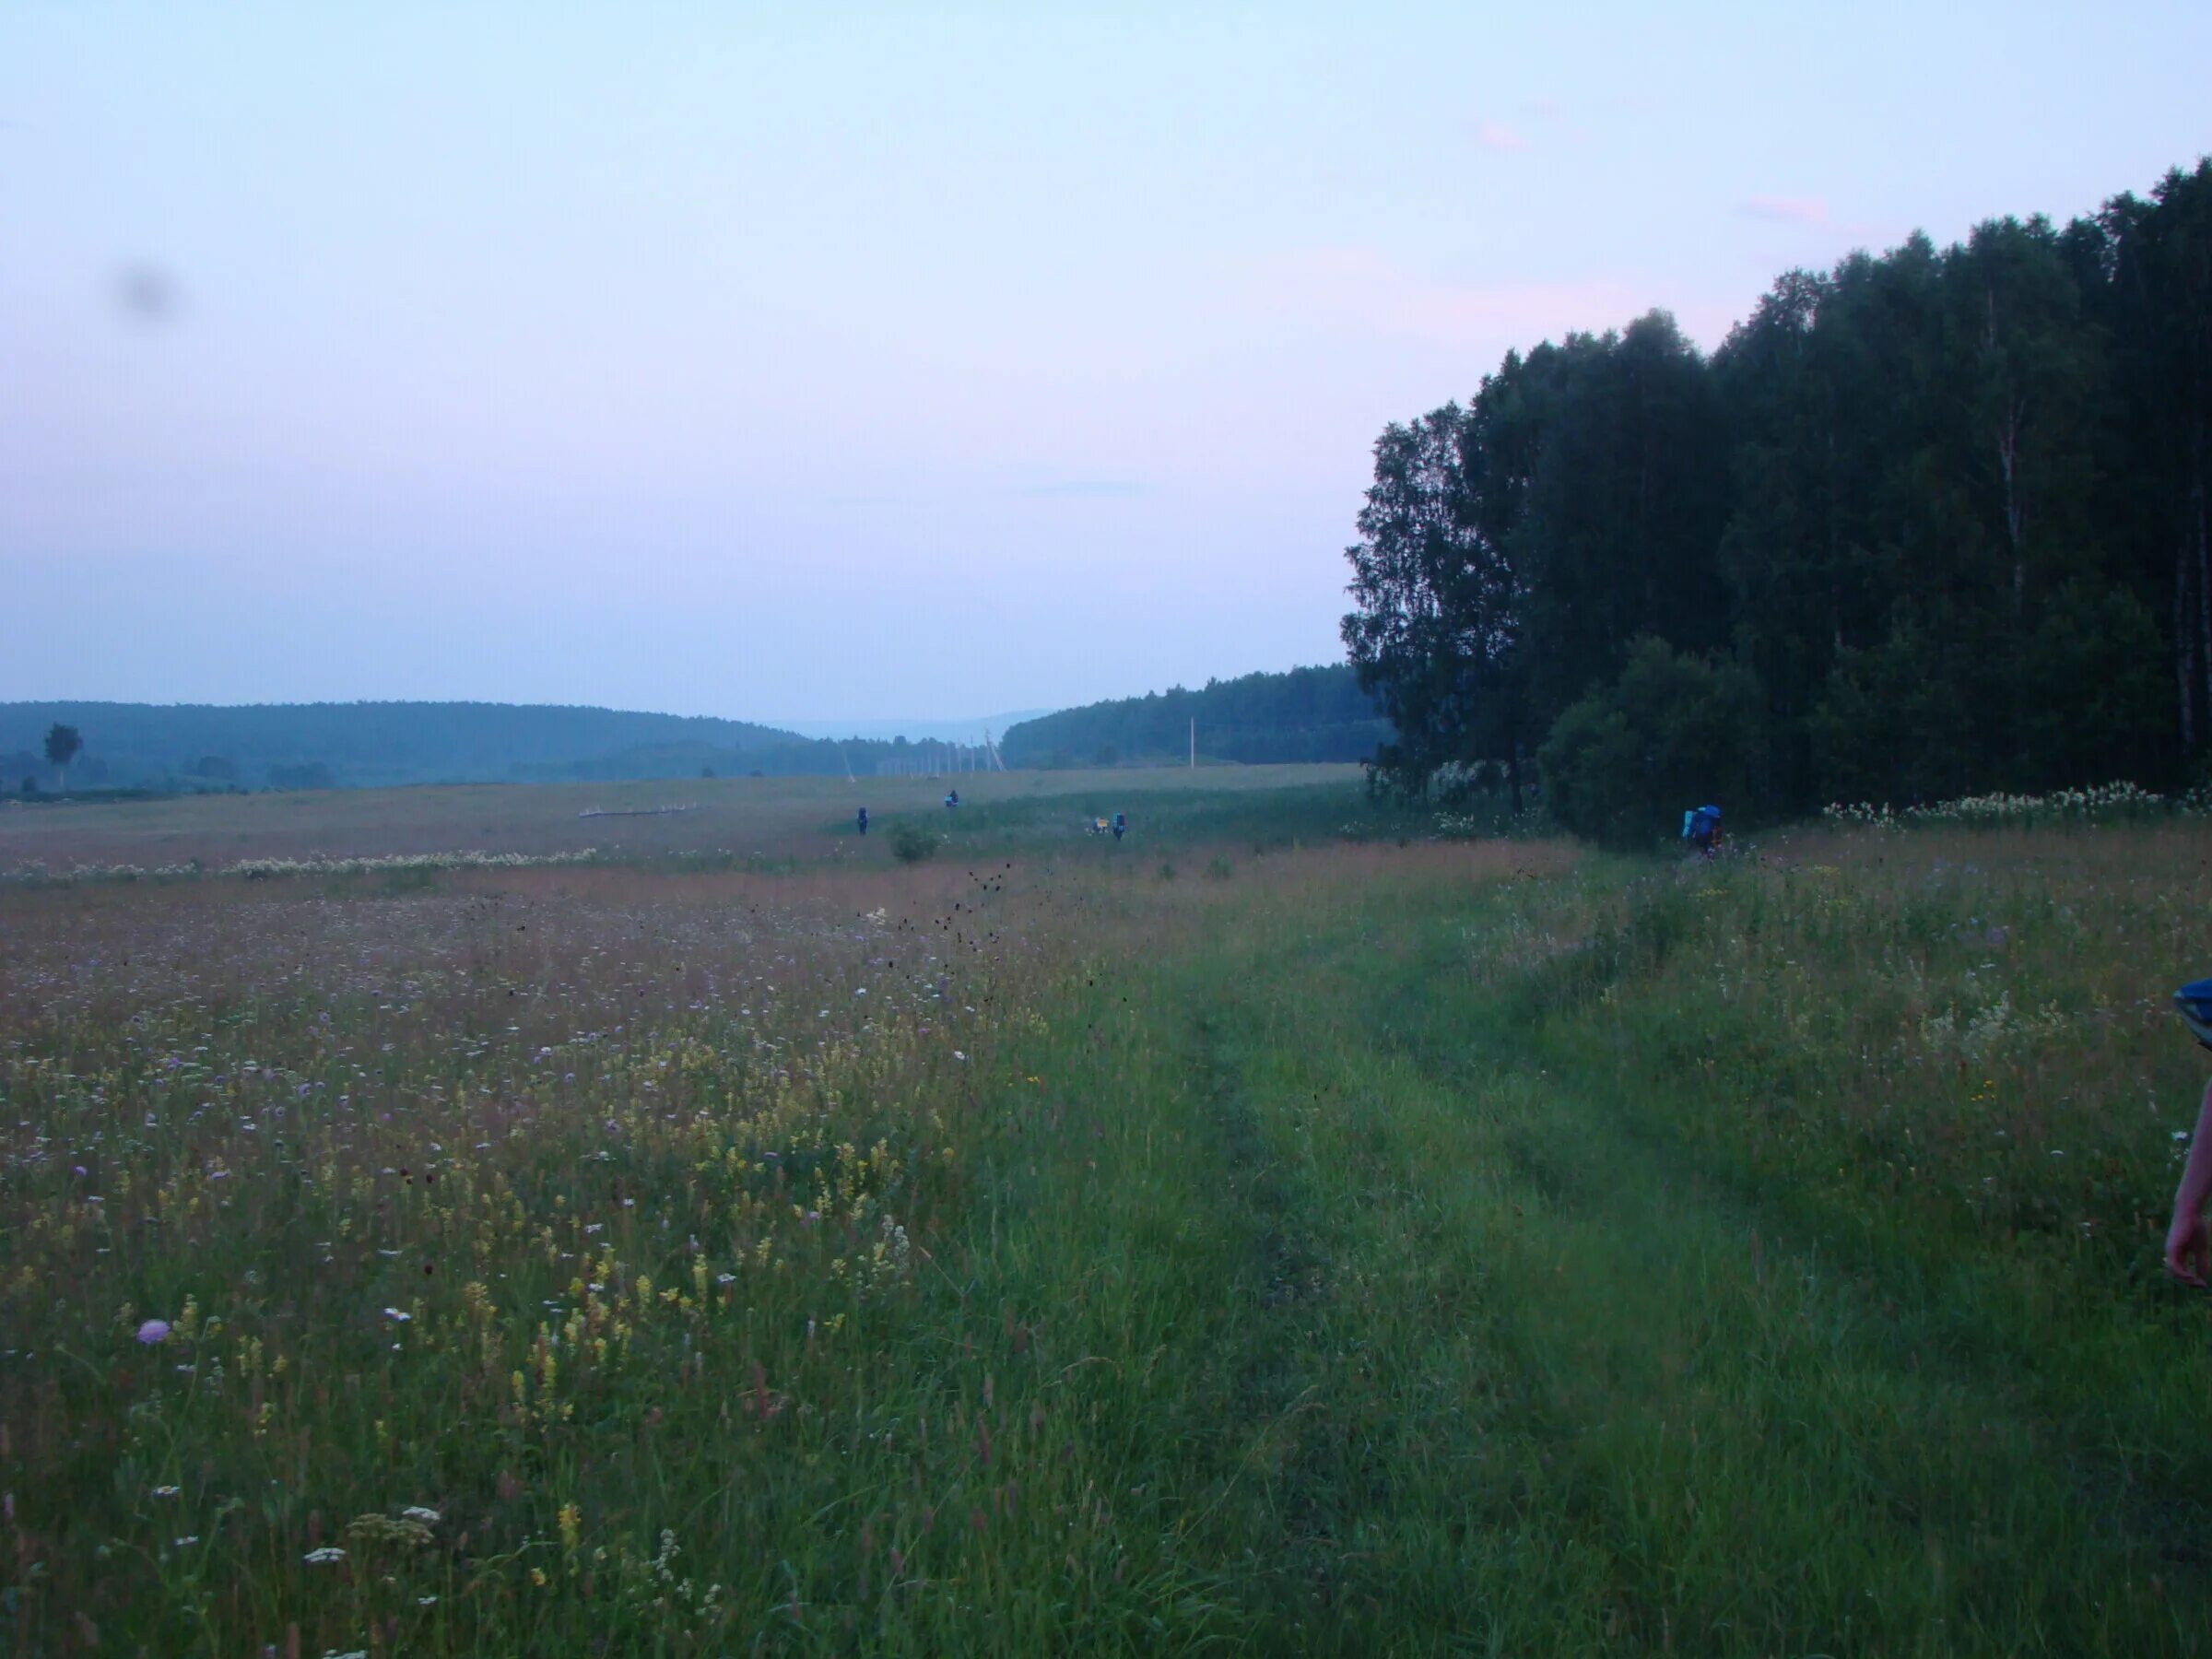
point(1701, 829)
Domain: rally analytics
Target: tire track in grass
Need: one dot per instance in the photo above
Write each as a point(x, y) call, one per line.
point(1283, 1522)
point(1361, 1389)
point(1082, 1332)
point(1958, 1312)
point(1559, 1402)
point(1487, 1363)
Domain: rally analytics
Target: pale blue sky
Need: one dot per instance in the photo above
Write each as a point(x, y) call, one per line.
point(834, 362)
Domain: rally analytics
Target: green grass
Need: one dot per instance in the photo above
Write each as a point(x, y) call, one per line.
point(742, 818)
point(1426, 1248)
point(1294, 815)
point(1579, 1372)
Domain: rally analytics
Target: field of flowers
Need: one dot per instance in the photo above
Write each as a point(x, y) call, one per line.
point(1277, 1239)
point(2099, 804)
point(371, 1261)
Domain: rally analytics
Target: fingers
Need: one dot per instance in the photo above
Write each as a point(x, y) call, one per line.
point(2187, 1248)
point(2186, 1260)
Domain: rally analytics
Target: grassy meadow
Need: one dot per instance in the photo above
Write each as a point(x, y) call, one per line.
point(733, 822)
point(1283, 1232)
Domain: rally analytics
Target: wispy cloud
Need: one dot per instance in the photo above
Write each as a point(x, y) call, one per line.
point(1497, 135)
point(1799, 210)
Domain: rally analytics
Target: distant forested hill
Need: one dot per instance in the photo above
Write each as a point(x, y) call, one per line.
point(1306, 714)
point(370, 744)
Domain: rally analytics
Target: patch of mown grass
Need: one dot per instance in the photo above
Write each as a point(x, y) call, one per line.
point(1164, 819)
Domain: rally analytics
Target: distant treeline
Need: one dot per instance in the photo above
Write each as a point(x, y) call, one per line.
point(1927, 524)
point(1306, 714)
point(322, 746)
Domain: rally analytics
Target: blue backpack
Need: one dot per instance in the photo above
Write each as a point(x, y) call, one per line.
point(2195, 1003)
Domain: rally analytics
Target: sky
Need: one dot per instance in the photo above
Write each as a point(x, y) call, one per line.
point(830, 362)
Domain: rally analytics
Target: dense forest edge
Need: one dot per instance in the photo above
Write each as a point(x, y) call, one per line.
point(1301, 716)
point(1927, 524)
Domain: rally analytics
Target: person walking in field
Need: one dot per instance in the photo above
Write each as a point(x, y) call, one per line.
point(863, 821)
point(2188, 1244)
point(1701, 829)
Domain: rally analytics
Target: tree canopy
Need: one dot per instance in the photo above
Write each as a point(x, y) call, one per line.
point(62, 745)
point(1930, 522)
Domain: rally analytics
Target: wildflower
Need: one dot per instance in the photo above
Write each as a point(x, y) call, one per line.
point(396, 1316)
point(415, 1512)
point(537, 1577)
point(167, 1491)
point(153, 1331)
point(188, 1539)
point(324, 1556)
point(572, 1526)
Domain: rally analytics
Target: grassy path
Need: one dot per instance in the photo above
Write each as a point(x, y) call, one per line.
point(1491, 1360)
point(1472, 1248)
